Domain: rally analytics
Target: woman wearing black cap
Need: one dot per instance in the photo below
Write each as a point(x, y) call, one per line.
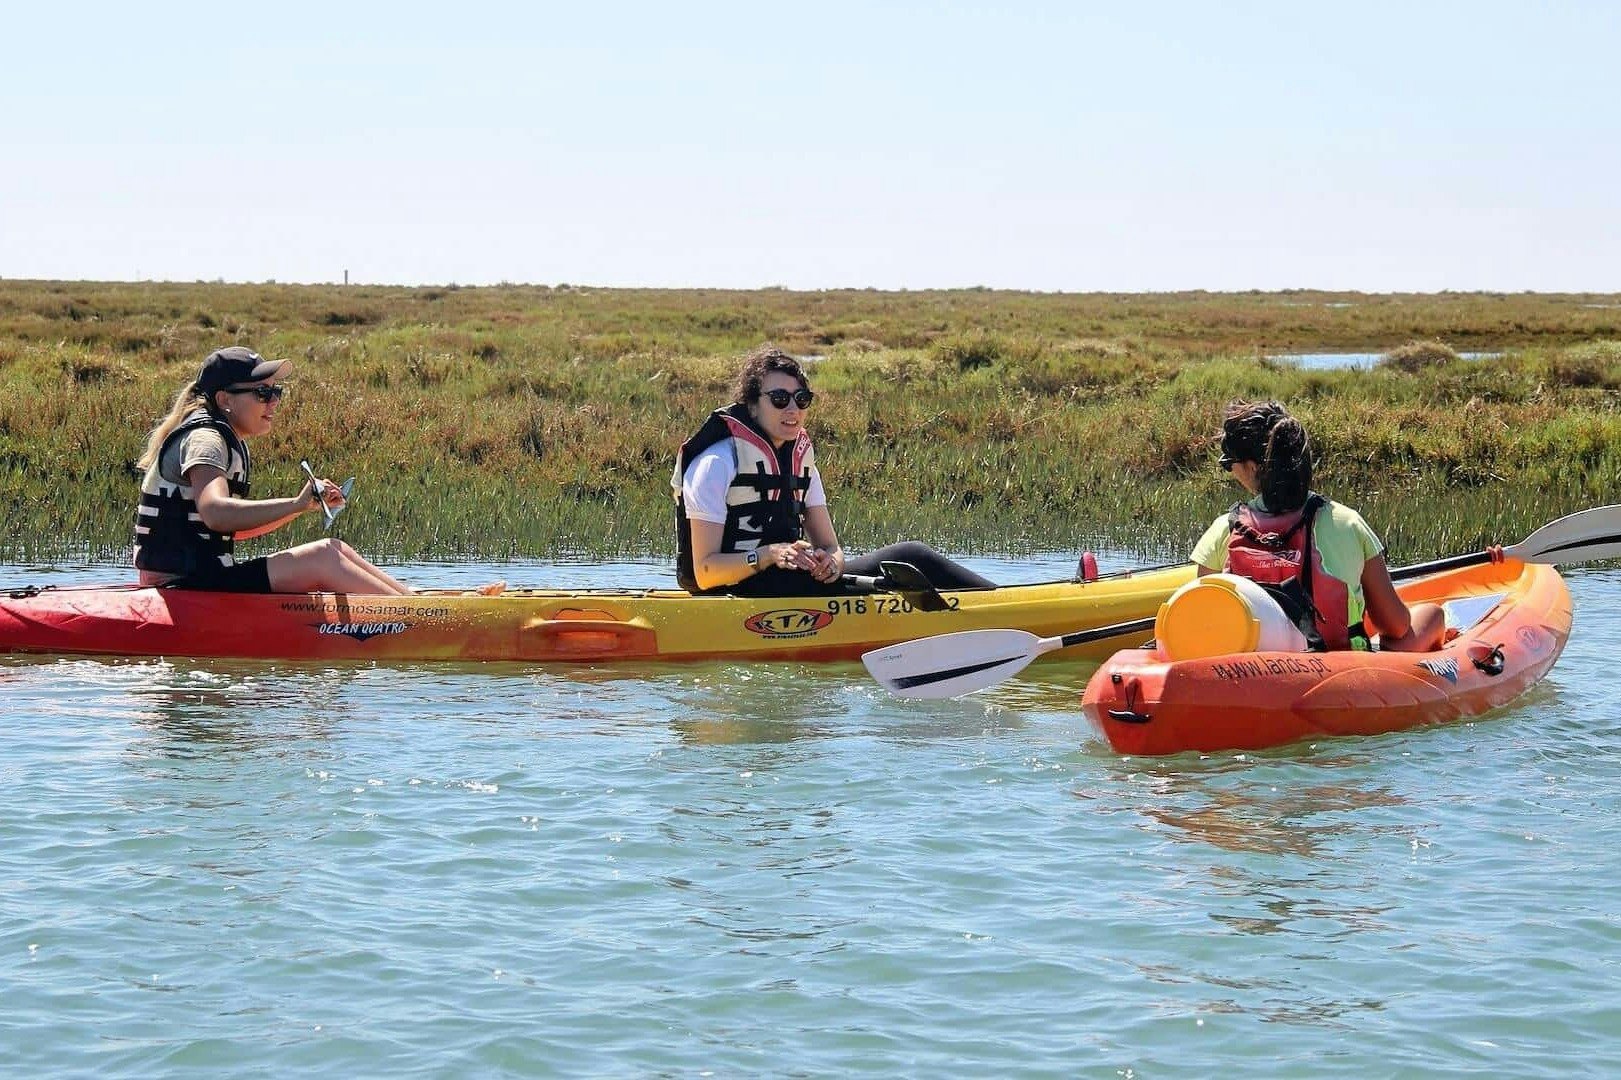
point(1318, 558)
point(194, 503)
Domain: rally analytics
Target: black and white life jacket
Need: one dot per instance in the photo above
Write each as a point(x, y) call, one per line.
point(765, 503)
point(170, 537)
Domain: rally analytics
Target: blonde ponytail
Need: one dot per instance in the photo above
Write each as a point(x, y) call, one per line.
point(186, 402)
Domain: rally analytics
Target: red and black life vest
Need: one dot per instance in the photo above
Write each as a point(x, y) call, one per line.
point(170, 536)
point(1276, 552)
point(765, 503)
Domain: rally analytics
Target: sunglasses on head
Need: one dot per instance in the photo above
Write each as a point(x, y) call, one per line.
point(780, 398)
point(265, 394)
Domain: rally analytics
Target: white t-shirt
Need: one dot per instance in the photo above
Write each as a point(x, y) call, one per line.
point(704, 484)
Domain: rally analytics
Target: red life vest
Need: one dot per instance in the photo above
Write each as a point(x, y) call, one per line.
point(1276, 552)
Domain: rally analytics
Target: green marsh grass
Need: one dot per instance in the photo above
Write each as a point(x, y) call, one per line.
point(527, 421)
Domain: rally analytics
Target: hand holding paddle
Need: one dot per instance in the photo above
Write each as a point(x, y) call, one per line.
point(329, 508)
point(951, 664)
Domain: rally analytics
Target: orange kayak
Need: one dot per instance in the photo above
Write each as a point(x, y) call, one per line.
point(1511, 618)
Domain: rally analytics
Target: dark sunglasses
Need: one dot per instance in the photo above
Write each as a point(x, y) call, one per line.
point(780, 398)
point(1225, 462)
point(266, 394)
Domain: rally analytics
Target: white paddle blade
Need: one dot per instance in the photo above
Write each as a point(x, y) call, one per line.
point(1586, 536)
point(952, 664)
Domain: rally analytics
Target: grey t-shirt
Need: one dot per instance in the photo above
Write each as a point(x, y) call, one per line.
point(201, 446)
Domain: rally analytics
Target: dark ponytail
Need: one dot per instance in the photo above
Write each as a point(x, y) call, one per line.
point(1265, 433)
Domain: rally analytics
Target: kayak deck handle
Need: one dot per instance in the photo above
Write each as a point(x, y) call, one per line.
point(577, 634)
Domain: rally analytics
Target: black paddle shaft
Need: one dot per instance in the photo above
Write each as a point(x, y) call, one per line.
point(1455, 562)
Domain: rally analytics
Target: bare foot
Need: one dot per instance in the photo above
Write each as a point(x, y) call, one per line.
point(494, 588)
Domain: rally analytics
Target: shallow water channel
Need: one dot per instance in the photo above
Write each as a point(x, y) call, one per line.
point(1331, 360)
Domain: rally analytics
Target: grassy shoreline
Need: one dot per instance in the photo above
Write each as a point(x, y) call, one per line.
point(525, 421)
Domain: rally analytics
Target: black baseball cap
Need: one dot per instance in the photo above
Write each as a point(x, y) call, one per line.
point(236, 364)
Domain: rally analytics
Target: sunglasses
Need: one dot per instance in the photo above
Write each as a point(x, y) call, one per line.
point(266, 394)
point(1225, 462)
point(780, 398)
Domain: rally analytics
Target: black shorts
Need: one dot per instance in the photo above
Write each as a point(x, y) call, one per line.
point(252, 576)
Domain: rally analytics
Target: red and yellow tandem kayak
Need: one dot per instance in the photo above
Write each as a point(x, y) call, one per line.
point(1512, 619)
point(545, 625)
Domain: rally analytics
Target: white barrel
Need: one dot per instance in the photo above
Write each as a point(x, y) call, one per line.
point(1224, 613)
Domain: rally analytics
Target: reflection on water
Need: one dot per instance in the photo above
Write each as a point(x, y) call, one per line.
point(772, 703)
point(1285, 1000)
point(1272, 821)
point(187, 705)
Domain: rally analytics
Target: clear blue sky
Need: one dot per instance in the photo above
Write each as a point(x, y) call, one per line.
point(1055, 146)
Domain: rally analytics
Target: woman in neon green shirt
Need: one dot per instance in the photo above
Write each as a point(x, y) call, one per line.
point(1319, 558)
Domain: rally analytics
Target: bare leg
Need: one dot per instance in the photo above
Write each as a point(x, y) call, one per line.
point(328, 566)
point(1428, 623)
point(354, 557)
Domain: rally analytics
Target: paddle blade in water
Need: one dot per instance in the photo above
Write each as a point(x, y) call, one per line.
point(952, 664)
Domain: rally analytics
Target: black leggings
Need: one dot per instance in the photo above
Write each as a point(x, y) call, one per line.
point(941, 572)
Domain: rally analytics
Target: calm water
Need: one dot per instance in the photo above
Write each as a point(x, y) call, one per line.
point(1329, 360)
point(213, 868)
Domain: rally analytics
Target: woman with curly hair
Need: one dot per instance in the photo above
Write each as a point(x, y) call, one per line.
point(751, 514)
